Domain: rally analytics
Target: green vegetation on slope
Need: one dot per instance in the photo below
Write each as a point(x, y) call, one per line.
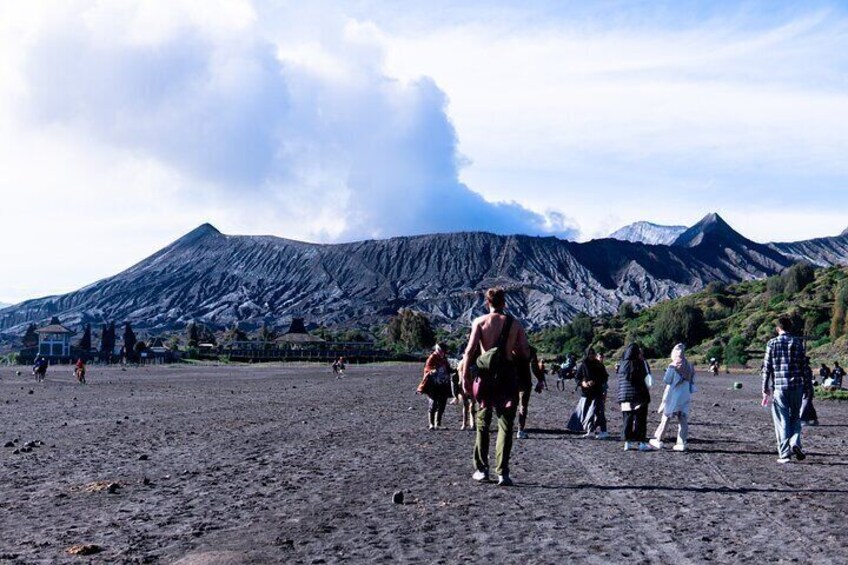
point(729, 322)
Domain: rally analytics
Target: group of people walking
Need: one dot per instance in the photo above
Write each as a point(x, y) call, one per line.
point(498, 364)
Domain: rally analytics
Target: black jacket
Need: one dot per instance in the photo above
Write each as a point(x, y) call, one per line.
point(594, 371)
point(631, 378)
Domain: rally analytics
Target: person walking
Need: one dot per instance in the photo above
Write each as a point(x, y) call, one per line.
point(499, 339)
point(436, 385)
point(784, 381)
point(634, 397)
point(809, 416)
point(679, 382)
point(589, 416)
point(525, 371)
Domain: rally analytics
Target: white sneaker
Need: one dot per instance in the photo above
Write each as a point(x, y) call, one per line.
point(480, 476)
point(628, 446)
point(784, 460)
point(521, 434)
point(431, 427)
point(655, 443)
point(679, 447)
point(588, 434)
point(603, 435)
point(646, 447)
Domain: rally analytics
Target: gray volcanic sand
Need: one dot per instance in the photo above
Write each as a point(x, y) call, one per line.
point(256, 464)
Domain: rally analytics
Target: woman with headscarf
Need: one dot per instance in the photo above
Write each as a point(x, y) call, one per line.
point(436, 384)
point(634, 396)
point(589, 416)
point(679, 382)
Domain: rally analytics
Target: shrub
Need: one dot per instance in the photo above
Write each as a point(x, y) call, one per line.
point(679, 323)
point(797, 278)
point(626, 311)
point(840, 308)
point(734, 351)
point(411, 331)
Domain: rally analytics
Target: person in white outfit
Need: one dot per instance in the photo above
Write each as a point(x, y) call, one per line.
point(679, 385)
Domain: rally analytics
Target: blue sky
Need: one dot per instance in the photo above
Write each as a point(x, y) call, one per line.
point(123, 126)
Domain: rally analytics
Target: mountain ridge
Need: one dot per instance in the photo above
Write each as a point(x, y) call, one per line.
point(207, 276)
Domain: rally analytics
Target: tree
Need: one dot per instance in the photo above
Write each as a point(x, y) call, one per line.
point(107, 341)
point(235, 334)
point(193, 335)
point(129, 343)
point(267, 333)
point(797, 278)
point(840, 310)
point(30, 338)
point(626, 311)
point(85, 341)
point(679, 323)
point(410, 330)
point(735, 351)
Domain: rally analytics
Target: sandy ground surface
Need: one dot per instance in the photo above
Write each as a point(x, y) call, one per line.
point(239, 464)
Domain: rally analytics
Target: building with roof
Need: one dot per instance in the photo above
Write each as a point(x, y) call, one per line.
point(54, 340)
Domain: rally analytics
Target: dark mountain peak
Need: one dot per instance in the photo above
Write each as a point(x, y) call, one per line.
point(201, 232)
point(204, 229)
point(711, 228)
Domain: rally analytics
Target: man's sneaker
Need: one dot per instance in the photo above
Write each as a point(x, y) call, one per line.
point(603, 435)
point(679, 447)
point(480, 476)
point(646, 447)
point(521, 434)
point(588, 435)
point(784, 460)
point(799, 453)
point(628, 446)
point(655, 443)
point(504, 481)
point(462, 427)
point(431, 427)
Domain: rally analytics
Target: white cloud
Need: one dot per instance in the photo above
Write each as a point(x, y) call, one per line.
point(162, 111)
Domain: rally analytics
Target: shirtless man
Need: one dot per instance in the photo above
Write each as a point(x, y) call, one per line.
point(498, 396)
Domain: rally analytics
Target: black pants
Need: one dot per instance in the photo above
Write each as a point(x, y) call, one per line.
point(437, 405)
point(635, 424)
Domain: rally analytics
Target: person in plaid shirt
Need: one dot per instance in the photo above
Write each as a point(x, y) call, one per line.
point(785, 380)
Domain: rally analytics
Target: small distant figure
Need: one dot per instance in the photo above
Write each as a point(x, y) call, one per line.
point(634, 396)
point(339, 367)
point(679, 382)
point(809, 417)
point(436, 385)
point(837, 374)
point(589, 416)
point(824, 373)
point(79, 371)
point(714, 366)
point(524, 370)
point(39, 369)
point(784, 381)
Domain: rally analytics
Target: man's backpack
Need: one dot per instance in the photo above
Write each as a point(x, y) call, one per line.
point(492, 361)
